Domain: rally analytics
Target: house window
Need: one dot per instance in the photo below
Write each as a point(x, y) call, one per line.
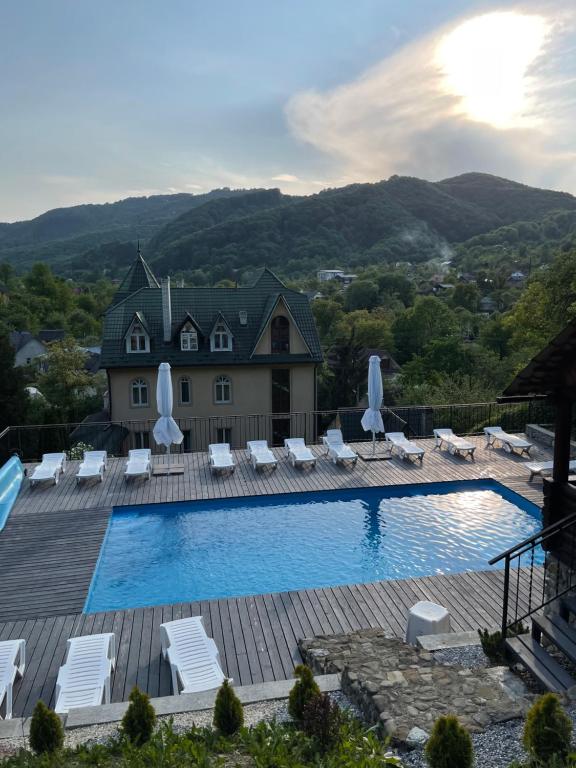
point(280, 335)
point(185, 391)
point(138, 339)
point(139, 393)
point(224, 435)
point(221, 339)
point(188, 339)
point(281, 390)
point(187, 442)
point(141, 439)
point(222, 390)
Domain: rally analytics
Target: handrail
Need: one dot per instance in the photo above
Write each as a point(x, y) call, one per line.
point(543, 535)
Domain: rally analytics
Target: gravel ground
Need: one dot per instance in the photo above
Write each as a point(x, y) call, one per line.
point(253, 714)
point(471, 656)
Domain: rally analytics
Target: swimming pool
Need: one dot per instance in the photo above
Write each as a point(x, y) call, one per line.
point(169, 553)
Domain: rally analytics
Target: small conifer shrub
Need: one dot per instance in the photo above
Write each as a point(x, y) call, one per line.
point(548, 730)
point(304, 689)
point(46, 732)
point(140, 718)
point(228, 710)
point(321, 719)
point(449, 745)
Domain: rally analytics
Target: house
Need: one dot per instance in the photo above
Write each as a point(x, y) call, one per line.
point(234, 352)
point(28, 347)
point(323, 275)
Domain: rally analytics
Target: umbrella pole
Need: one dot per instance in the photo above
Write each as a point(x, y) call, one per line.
point(168, 452)
point(373, 443)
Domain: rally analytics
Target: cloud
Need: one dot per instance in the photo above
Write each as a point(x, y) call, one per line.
point(494, 92)
point(289, 177)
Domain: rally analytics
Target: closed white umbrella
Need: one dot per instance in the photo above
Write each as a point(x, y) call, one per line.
point(372, 419)
point(166, 431)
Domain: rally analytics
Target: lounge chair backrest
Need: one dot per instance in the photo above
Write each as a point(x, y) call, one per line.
point(95, 456)
point(293, 442)
point(219, 448)
point(257, 445)
point(396, 437)
point(139, 453)
point(53, 458)
point(334, 436)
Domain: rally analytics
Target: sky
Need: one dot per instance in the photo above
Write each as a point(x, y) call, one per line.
point(104, 100)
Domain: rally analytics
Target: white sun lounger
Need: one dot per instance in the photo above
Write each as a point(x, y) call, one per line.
point(12, 665)
point(457, 446)
point(406, 448)
point(260, 455)
point(93, 466)
point(139, 463)
point(52, 466)
point(192, 655)
point(84, 678)
point(221, 460)
point(336, 448)
point(298, 452)
point(511, 443)
point(545, 468)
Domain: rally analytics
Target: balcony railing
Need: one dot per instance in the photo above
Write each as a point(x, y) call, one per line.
point(117, 437)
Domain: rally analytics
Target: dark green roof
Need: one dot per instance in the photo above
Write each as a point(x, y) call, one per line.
point(205, 306)
point(138, 276)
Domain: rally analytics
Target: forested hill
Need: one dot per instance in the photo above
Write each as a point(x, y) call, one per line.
point(226, 232)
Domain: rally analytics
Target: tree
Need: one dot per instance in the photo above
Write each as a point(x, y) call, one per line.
point(399, 285)
point(361, 294)
point(327, 313)
point(466, 295)
point(371, 329)
point(427, 320)
point(13, 396)
point(65, 382)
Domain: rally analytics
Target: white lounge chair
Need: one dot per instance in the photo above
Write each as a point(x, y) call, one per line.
point(299, 454)
point(260, 455)
point(496, 436)
point(192, 655)
point(84, 678)
point(457, 446)
point(93, 466)
point(405, 448)
point(52, 466)
point(545, 468)
point(139, 463)
point(221, 460)
point(12, 665)
point(337, 449)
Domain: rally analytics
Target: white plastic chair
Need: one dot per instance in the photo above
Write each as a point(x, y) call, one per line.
point(84, 678)
point(12, 665)
point(457, 446)
point(299, 454)
point(139, 463)
point(193, 656)
point(406, 448)
point(52, 466)
point(260, 455)
point(93, 466)
point(510, 443)
point(221, 459)
point(337, 449)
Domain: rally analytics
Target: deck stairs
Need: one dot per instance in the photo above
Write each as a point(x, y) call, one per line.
point(532, 649)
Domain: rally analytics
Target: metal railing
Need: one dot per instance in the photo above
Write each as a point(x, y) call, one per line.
point(117, 437)
point(523, 595)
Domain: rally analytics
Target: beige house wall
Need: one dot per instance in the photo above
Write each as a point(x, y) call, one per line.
point(251, 397)
point(297, 344)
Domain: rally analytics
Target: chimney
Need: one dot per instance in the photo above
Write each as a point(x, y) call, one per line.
point(166, 310)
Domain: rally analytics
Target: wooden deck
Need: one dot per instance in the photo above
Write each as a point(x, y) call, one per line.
point(50, 545)
point(257, 636)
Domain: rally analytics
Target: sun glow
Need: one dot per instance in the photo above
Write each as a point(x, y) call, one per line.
point(485, 61)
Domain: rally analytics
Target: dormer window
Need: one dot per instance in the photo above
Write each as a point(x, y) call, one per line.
point(280, 335)
point(221, 339)
point(188, 338)
point(137, 340)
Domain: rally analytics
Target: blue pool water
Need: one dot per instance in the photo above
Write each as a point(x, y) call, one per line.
point(170, 553)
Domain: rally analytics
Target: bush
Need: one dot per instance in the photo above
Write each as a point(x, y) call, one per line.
point(548, 730)
point(493, 645)
point(76, 452)
point(46, 732)
point(228, 711)
point(321, 720)
point(449, 745)
point(304, 689)
point(140, 718)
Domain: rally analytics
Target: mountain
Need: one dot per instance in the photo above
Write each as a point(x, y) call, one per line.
point(226, 232)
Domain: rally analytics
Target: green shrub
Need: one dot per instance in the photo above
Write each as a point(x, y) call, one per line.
point(76, 452)
point(321, 720)
point(140, 718)
point(46, 732)
point(449, 745)
point(548, 730)
point(304, 689)
point(493, 645)
point(228, 711)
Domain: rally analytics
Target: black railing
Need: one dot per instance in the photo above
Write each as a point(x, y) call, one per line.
point(523, 594)
point(117, 437)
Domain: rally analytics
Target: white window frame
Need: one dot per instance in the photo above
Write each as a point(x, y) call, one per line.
point(220, 383)
point(140, 385)
point(137, 332)
point(189, 339)
point(181, 400)
point(221, 338)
